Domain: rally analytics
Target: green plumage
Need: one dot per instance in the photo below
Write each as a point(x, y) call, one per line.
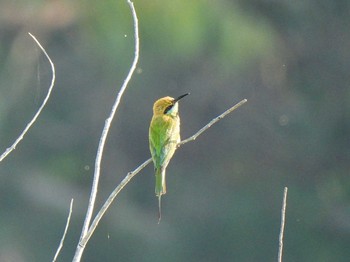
point(164, 135)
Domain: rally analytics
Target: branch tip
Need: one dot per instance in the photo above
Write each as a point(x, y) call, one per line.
point(36, 115)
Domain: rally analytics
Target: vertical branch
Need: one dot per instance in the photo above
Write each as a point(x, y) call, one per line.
point(283, 217)
point(100, 149)
point(13, 146)
point(65, 231)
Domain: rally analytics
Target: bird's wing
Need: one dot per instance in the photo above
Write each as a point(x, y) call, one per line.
point(156, 144)
point(160, 142)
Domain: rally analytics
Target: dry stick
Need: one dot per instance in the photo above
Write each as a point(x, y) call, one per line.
point(283, 217)
point(212, 122)
point(130, 175)
point(90, 209)
point(11, 148)
point(65, 231)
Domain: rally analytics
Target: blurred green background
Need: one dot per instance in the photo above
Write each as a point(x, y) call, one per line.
point(290, 59)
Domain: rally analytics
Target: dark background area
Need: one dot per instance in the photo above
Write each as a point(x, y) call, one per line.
point(290, 59)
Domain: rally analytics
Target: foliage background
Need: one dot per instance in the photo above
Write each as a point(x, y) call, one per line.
point(290, 59)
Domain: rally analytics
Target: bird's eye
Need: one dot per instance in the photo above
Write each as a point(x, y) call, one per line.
point(167, 109)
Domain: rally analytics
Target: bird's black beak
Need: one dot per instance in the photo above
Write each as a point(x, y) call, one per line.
point(182, 96)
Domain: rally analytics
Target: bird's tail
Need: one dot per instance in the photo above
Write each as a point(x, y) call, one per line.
point(160, 182)
point(160, 189)
point(159, 208)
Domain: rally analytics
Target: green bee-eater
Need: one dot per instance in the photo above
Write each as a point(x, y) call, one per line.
point(164, 135)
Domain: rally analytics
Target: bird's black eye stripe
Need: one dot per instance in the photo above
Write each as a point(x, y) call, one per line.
point(167, 109)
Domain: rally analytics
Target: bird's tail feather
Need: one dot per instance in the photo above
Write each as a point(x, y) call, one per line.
point(160, 189)
point(159, 208)
point(160, 182)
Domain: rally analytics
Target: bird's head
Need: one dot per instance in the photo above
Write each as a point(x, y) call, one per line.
point(167, 105)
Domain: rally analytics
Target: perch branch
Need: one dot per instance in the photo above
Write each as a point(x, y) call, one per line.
point(130, 175)
point(65, 231)
point(13, 146)
point(88, 228)
point(94, 189)
point(212, 122)
point(283, 217)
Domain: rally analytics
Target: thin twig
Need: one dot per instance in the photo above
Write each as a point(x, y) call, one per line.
point(13, 146)
point(65, 231)
point(283, 217)
point(130, 175)
point(103, 139)
point(212, 122)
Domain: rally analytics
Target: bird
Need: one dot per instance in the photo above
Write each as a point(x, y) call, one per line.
point(164, 136)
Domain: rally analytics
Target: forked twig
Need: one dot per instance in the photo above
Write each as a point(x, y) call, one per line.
point(110, 199)
point(13, 146)
point(130, 175)
point(88, 228)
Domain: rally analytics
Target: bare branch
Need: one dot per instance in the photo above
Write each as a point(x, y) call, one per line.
point(283, 217)
point(13, 146)
point(130, 175)
point(212, 122)
point(88, 229)
point(94, 189)
point(65, 231)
